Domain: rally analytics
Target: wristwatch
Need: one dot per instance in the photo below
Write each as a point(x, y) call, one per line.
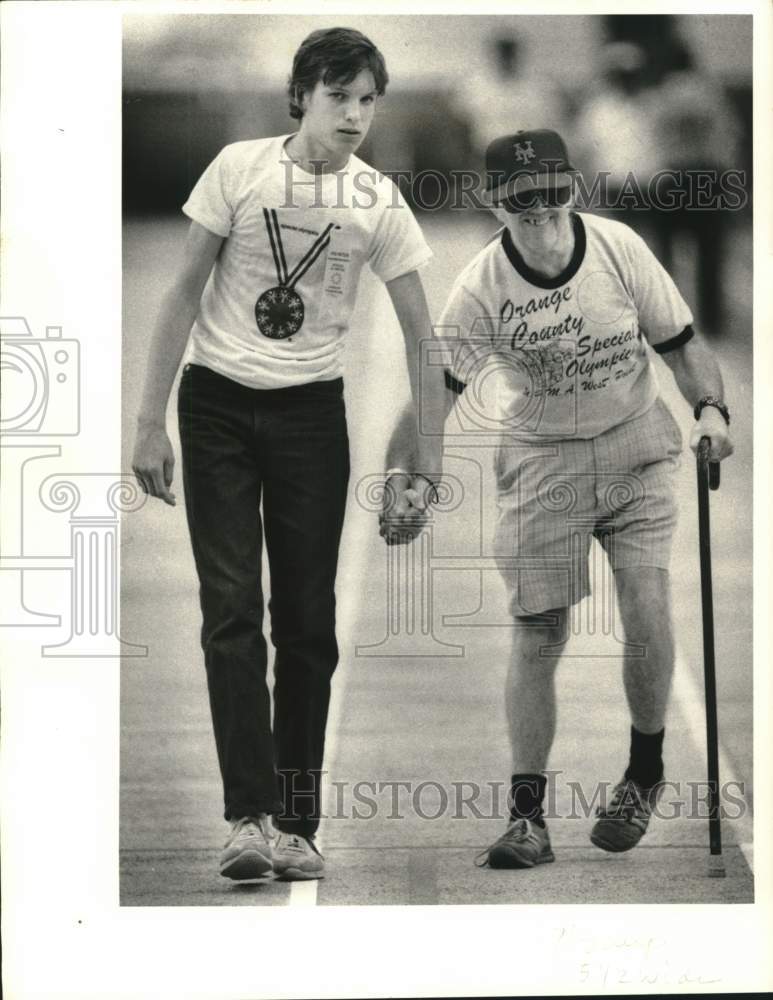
point(711, 401)
point(434, 496)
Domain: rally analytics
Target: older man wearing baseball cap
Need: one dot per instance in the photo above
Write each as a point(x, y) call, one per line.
point(569, 307)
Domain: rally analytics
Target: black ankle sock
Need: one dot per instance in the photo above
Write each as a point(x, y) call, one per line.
point(526, 794)
point(645, 765)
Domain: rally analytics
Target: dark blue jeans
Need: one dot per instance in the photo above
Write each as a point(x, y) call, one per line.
point(287, 449)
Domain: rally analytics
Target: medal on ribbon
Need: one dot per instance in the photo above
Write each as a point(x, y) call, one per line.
point(279, 312)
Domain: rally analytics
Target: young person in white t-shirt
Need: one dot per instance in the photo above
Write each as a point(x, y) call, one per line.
point(567, 308)
point(283, 226)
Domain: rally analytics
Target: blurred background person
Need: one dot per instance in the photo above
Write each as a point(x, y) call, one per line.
point(506, 93)
point(666, 131)
point(699, 134)
point(615, 134)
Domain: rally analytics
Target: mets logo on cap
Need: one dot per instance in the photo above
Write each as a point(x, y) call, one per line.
point(526, 159)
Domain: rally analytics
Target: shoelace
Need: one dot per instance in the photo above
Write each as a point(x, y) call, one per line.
point(296, 843)
point(627, 803)
point(519, 831)
point(249, 826)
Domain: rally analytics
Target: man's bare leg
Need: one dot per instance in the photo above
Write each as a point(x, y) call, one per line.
point(531, 714)
point(644, 600)
point(530, 690)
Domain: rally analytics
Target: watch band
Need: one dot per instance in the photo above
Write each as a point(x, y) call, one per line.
point(705, 401)
point(434, 498)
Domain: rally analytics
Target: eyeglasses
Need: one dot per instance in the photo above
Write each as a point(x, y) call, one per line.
point(522, 201)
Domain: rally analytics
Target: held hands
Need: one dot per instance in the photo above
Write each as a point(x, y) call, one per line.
point(712, 425)
point(404, 511)
point(153, 461)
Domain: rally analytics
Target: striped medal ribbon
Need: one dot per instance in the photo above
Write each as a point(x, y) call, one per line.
point(279, 311)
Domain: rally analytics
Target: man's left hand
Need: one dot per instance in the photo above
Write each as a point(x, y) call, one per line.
point(404, 512)
point(712, 425)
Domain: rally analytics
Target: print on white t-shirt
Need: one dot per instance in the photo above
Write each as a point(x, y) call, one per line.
point(278, 303)
point(569, 355)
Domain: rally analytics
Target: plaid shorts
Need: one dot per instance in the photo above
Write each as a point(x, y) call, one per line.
point(555, 498)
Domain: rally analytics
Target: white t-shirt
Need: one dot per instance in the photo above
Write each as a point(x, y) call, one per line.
point(568, 353)
point(278, 303)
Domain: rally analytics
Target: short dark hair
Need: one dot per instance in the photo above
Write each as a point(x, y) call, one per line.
point(333, 55)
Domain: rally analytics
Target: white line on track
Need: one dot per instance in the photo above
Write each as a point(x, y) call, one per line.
point(688, 693)
point(303, 893)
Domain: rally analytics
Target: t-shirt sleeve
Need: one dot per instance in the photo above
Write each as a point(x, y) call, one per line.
point(210, 202)
point(466, 335)
point(398, 245)
point(663, 313)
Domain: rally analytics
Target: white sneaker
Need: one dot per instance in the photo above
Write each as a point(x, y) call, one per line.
point(247, 853)
point(297, 858)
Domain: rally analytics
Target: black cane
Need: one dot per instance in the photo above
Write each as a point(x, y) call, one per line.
point(708, 478)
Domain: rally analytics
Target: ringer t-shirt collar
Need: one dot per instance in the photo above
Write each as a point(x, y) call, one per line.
point(541, 280)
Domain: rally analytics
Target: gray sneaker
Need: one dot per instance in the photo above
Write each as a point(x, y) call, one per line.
point(523, 845)
point(296, 858)
point(622, 823)
point(247, 853)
